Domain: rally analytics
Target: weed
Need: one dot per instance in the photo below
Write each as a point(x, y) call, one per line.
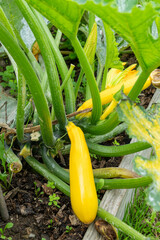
point(93, 155)
point(51, 185)
point(9, 80)
point(53, 200)
point(37, 190)
point(116, 143)
point(51, 223)
point(2, 231)
point(68, 229)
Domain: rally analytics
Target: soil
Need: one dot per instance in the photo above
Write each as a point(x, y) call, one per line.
point(28, 207)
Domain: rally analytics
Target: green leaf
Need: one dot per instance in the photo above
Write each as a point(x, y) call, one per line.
point(145, 127)
point(12, 12)
point(100, 184)
point(65, 15)
point(3, 237)
point(134, 25)
point(101, 43)
point(112, 59)
point(9, 225)
point(8, 108)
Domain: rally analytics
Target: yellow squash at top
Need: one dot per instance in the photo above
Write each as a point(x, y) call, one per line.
point(83, 195)
point(116, 79)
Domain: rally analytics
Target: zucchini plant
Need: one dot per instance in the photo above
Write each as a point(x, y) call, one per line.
point(104, 114)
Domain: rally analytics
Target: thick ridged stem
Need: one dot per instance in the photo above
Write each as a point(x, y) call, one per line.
point(137, 88)
point(20, 107)
point(62, 67)
point(97, 107)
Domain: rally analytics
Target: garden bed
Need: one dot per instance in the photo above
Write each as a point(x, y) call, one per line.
point(34, 219)
point(37, 209)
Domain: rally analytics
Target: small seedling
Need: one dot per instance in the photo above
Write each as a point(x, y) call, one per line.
point(53, 200)
point(93, 155)
point(37, 190)
point(116, 143)
point(51, 223)
point(51, 185)
point(2, 231)
point(68, 229)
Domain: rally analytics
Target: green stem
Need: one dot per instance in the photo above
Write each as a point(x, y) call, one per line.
point(20, 106)
point(31, 78)
point(58, 37)
point(78, 83)
point(119, 224)
point(62, 67)
point(29, 54)
point(110, 135)
point(97, 107)
point(137, 88)
point(104, 78)
point(48, 58)
point(103, 126)
point(67, 76)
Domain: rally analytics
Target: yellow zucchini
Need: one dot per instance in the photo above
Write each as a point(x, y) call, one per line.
point(84, 199)
point(107, 95)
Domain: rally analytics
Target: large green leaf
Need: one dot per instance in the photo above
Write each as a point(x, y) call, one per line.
point(132, 23)
point(65, 15)
point(145, 127)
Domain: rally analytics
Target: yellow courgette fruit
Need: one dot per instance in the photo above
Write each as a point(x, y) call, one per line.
point(83, 195)
point(107, 95)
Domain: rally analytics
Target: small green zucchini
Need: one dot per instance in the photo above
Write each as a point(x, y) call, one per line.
point(116, 151)
point(13, 161)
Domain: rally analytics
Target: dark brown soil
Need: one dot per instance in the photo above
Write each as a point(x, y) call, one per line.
point(29, 211)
